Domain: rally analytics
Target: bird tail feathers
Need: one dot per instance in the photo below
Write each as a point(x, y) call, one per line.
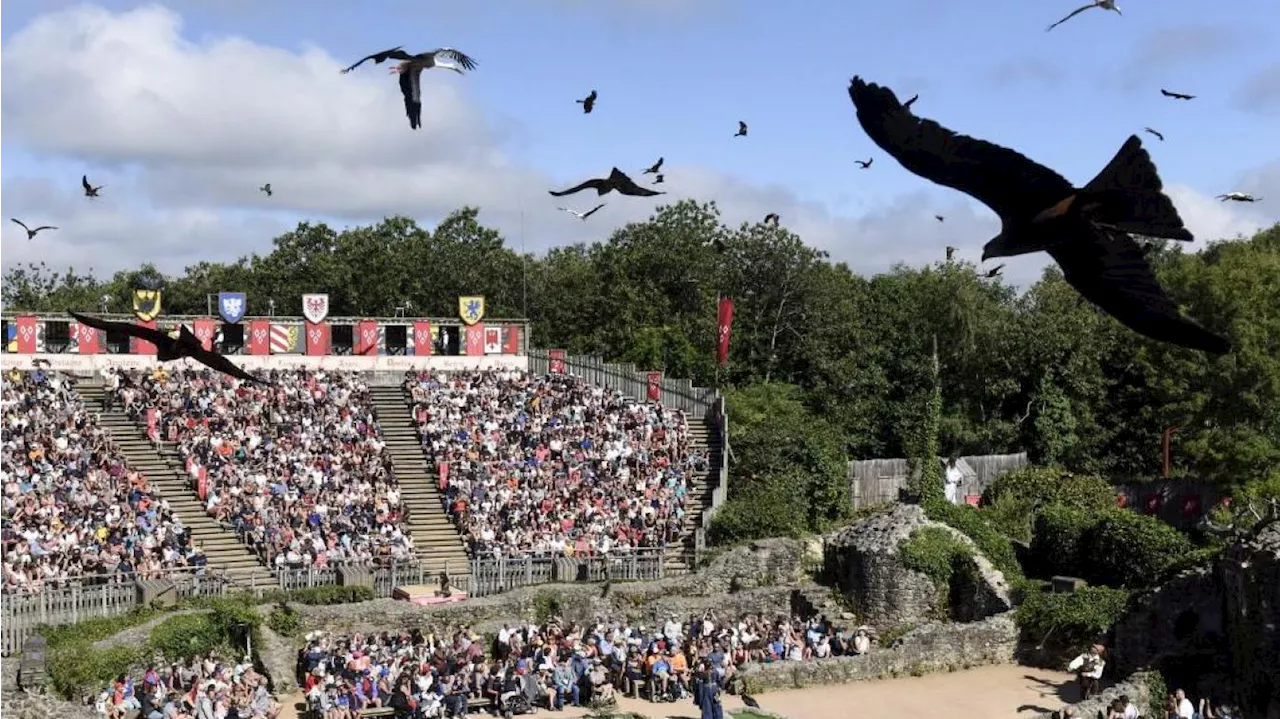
point(1128, 195)
point(1186, 333)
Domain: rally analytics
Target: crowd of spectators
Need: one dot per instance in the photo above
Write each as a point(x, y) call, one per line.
point(553, 665)
point(296, 467)
point(73, 510)
point(202, 688)
point(552, 464)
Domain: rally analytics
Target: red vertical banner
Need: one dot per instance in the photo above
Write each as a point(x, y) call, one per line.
point(653, 386)
point(152, 420)
point(724, 327)
point(475, 340)
point(86, 339)
point(423, 342)
point(511, 340)
point(26, 334)
point(142, 347)
point(202, 484)
point(365, 340)
point(555, 361)
point(317, 338)
point(259, 337)
point(443, 470)
point(204, 329)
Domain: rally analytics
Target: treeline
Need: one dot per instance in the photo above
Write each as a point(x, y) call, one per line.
point(825, 364)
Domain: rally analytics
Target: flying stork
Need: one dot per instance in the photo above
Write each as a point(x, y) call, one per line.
point(410, 70)
point(1104, 4)
point(1239, 197)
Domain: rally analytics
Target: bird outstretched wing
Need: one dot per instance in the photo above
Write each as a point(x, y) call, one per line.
point(592, 211)
point(219, 363)
point(467, 62)
point(20, 223)
point(600, 186)
point(1002, 179)
point(153, 335)
point(394, 53)
point(84, 182)
point(1075, 12)
point(1111, 270)
point(626, 186)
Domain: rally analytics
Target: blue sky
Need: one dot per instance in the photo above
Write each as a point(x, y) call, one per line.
point(675, 76)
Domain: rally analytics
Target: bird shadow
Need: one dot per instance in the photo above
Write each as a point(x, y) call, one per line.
point(1067, 691)
point(1034, 708)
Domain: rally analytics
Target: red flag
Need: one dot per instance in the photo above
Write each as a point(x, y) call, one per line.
point(317, 338)
point(475, 340)
point(724, 328)
point(204, 330)
point(140, 346)
point(26, 335)
point(259, 337)
point(423, 341)
point(511, 340)
point(366, 338)
point(555, 361)
point(654, 386)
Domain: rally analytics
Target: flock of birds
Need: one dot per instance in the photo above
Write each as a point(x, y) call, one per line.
point(1086, 230)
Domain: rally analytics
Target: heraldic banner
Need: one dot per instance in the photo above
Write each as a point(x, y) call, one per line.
point(423, 339)
point(141, 346)
point(471, 309)
point(724, 329)
point(555, 361)
point(204, 329)
point(653, 385)
point(365, 338)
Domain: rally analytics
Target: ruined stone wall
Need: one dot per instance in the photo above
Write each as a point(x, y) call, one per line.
point(1183, 617)
point(1250, 576)
point(928, 649)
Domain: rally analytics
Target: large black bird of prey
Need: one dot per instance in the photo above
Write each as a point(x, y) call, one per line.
point(589, 102)
point(1084, 229)
point(171, 346)
point(89, 190)
point(31, 234)
point(616, 181)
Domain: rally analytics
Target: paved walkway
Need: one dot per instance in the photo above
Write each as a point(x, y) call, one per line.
point(995, 692)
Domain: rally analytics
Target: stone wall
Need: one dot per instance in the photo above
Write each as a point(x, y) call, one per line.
point(15, 704)
point(1250, 576)
point(1135, 687)
point(931, 648)
point(864, 562)
point(1181, 618)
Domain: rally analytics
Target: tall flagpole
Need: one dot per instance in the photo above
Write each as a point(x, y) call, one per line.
point(524, 267)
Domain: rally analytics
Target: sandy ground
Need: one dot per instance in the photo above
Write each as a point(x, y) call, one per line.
point(995, 692)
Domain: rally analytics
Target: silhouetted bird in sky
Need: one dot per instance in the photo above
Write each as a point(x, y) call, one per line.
point(170, 345)
point(659, 179)
point(410, 70)
point(616, 181)
point(1084, 229)
point(912, 101)
point(772, 219)
point(588, 103)
point(1176, 95)
point(742, 129)
point(939, 218)
point(864, 164)
point(266, 188)
point(994, 271)
point(1157, 133)
point(655, 167)
point(1104, 4)
point(951, 252)
point(31, 234)
point(1238, 197)
point(89, 190)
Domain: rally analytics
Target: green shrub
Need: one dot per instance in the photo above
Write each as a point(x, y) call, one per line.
point(322, 596)
point(1043, 486)
point(1070, 620)
point(96, 629)
point(1126, 549)
point(284, 620)
point(1157, 693)
point(937, 554)
point(546, 604)
point(1012, 516)
point(1056, 540)
point(994, 546)
point(186, 636)
point(78, 671)
point(771, 509)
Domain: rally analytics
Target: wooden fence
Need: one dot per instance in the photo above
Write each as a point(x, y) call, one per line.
point(876, 481)
point(22, 614)
point(698, 402)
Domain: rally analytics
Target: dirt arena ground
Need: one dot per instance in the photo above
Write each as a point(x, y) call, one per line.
point(996, 692)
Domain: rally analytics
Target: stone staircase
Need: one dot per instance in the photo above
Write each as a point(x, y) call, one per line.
point(167, 476)
point(435, 538)
point(703, 437)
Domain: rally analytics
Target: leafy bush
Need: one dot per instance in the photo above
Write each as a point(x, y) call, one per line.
point(322, 596)
point(1043, 486)
point(994, 546)
point(76, 671)
point(1071, 620)
point(763, 510)
point(284, 620)
point(1012, 516)
point(1126, 549)
point(937, 554)
point(186, 636)
point(94, 630)
point(1056, 540)
point(546, 605)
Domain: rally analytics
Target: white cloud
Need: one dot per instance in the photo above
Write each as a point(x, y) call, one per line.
point(184, 132)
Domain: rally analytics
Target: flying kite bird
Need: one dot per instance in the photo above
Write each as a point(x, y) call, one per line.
point(31, 234)
point(994, 271)
point(583, 215)
point(588, 103)
point(659, 179)
point(410, 70)
point(742, 129)
point(266, 188)
point(616, 181)
point(1230, 196)
point(1176, 95)
point(772, 219)
point(951, 252)
point(89, 190)
point(864, 165)
point(1084, 229)
point(653, 170)
point(1104, 4)
point(170, 345)
point(1157, 133)
point(939, 218)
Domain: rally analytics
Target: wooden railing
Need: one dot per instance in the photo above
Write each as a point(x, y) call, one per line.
point(85, 598)
point(676, 393)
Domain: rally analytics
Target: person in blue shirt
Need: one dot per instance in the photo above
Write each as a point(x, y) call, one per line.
point(566, 684)
point(660, 682)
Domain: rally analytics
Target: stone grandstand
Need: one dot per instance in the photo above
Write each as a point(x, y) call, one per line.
point(437, 543)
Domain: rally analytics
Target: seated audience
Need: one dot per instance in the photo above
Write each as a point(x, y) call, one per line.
point(554, 465)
